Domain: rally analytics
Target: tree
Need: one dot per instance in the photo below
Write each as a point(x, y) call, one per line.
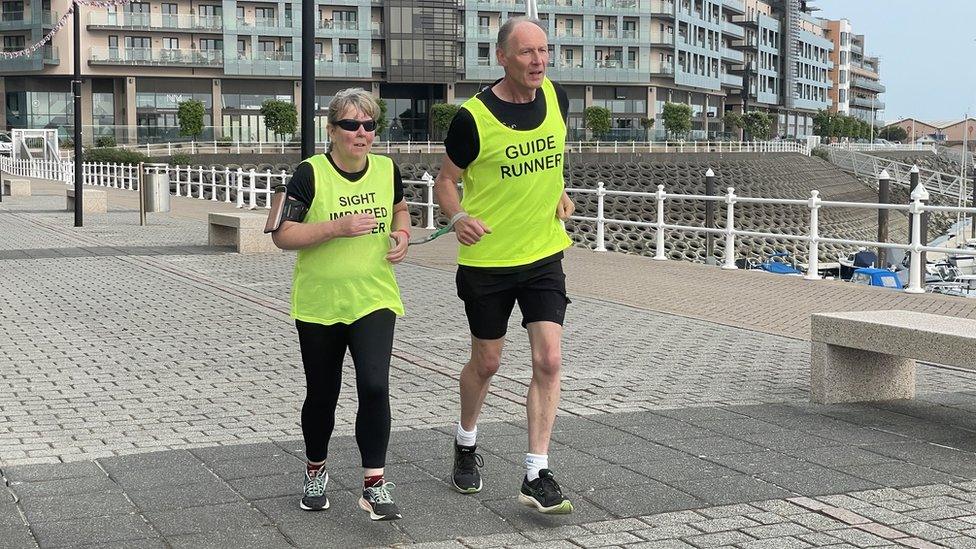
point(441, 115)
point(190, 116)
point(677, 119)
point(893, 133)
point(597, 120)
point(733, 121)
point(758, 124)
point(280, 117)
point(822, 123)
point(647, 124)
point(381, 122)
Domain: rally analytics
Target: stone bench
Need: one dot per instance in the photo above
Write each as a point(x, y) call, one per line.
point(93, 201)
point(870, 355)
point(243, 231)
point(16, 187)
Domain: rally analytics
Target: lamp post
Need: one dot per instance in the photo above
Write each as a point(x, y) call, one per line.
point(308, 78)
point(76, 91)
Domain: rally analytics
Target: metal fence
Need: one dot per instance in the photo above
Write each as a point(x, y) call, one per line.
point(243, 188)
point(868, 167)
point(881, 147)
point(243, 147)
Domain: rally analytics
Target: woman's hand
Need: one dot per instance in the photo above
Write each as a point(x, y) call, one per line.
point(355, 225)
point(399, 251)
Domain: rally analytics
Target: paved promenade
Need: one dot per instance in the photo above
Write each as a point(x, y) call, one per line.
point(151, 391)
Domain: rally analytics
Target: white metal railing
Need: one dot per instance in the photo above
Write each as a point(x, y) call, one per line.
point(812, 234)
point(883, 147)
point(194, 182)
point(238, 147)
point(869, 167)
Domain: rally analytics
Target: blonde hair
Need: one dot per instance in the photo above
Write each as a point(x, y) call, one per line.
point(357, 98)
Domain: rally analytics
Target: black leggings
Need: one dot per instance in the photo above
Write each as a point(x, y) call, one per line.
point(370, 342)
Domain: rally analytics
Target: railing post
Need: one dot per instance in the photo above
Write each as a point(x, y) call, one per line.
point(200, 175)
point(659, 243)
point(240, 188)
point(213, 183)
point(429, 182)
point(227, 184)
point(253, 181)
point(813, 261)
point(600, 218)
point(730, 229)
point(916, 270)
point(709, 216)
point(884, 186)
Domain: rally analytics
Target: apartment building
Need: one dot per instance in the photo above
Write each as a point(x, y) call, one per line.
point(631, 56)
point(856, 75)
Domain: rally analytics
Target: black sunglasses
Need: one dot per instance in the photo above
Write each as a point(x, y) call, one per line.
point(352, 125)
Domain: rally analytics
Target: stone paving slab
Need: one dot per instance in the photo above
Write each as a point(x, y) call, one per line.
point(207, 496)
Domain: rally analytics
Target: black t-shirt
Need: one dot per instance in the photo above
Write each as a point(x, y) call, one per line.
point(462, 144)
point(301, 187)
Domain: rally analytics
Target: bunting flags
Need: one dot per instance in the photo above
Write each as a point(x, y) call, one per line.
point(32, 49)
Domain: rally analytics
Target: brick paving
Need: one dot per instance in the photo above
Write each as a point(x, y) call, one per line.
point(151, 392)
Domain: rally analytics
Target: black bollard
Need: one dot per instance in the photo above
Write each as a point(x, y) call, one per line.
point(884, 189)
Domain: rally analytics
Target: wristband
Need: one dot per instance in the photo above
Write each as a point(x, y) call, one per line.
point(458, 217)
point(404, 231)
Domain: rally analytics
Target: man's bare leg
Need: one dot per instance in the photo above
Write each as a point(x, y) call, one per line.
point(539, 488)
point(475, 381)
point(476, 378)
point(546, 341)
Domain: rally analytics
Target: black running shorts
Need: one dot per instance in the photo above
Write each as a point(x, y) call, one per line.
point(489, 297)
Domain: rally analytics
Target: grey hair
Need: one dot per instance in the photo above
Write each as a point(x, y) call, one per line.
point(357, 98)
point(506, 29)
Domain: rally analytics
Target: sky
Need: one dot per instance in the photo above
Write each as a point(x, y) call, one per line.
point(927, 50)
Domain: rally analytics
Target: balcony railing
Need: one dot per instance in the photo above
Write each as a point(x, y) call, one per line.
point(339, 25)
point(732, 29)
point(867, 103)
point(156, 57)
point(734, 55)
point(667, 39)
point(561, 3)
point(570, 32)
point(660, 7)
point(663, 69)
point(271, 56)
point(483, 32)
point(872, 85)
point(616, 64)
point(617, 5)
point(155, 21)
point(484, 61)
point(376, 59)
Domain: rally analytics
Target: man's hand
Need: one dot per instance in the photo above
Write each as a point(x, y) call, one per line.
point(399, 251)
point(469, 230)
point(355, 224)
point(565, 208)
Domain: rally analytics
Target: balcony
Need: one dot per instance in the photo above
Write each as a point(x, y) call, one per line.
point(155, 57)
point(376, 28)
point(155, 21)
point(560, 3)
point(867, 84)
point(606, 34)
point(734, 5)
point(616, 5)
point(867, 103)
point(731, 80)
point(662, 40)
point(664, 69)
point(484, 32)
point(616, 64)
point(376, 60)
point(48, 56)
point(729, 54)
point(571, 32)
point(733, 30)
point(660, 8)
point(746, 21)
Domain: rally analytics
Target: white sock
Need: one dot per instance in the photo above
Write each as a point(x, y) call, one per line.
point(533, 464)
point(466, 438)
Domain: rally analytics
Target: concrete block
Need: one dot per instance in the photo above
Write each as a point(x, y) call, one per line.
point(93, 201)
point(843, 374)
point(244, 231)
point(16, 187)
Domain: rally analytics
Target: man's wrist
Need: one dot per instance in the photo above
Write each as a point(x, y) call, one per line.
point(402, 230)
point(459, 216)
